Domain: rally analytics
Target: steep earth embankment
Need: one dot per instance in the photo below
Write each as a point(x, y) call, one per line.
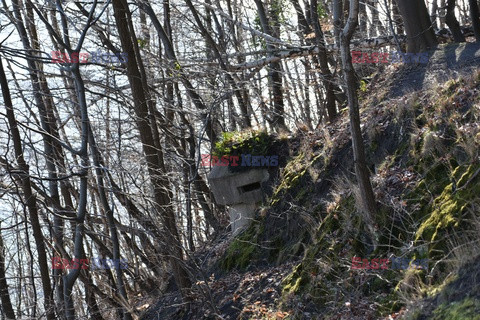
point(421, 126)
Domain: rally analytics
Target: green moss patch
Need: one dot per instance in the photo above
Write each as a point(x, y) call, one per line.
point(449, 207)
point(254, 142)
point(467, 309)
point(326, 265)
point(292, 175)
point(243, 249)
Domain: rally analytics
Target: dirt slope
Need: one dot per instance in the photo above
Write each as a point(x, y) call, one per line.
point(422, 130)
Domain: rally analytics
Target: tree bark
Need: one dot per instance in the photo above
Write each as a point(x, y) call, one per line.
point(441, 14)
point(475, 16)
point(452, 22)
point(97, 161)
point(433, 14)
point(397, 17)
point(420, 34)
point(377, 26)
point(91, 301)
point(363, 19)
point(53, 154)
point(214, 48)
point(322, 57)
point(172, 59)
point(70, 278)
point(344, 36)
point(155, 164)
point(4, 294)
point(323, 60)
point(274, 73)
point(30, 198)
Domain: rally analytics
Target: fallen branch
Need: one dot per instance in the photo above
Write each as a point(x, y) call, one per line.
point(371, 43)
point(281, 54)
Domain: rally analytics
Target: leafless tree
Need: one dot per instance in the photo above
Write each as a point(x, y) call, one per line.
point(344, 33)
point(103, 158)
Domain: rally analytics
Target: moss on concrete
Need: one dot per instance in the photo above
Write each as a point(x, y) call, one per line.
point(255, 142)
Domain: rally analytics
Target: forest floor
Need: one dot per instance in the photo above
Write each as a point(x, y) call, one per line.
point(421, 127)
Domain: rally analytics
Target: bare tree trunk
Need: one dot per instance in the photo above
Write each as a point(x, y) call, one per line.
point(237, 35)
point(111, 221)
point(199, 183)
point(7, 307)
point(322, 57)
point(30, 198)
point(462, 8)
point(171, 56)
point(323, 60)
point(420, 35)
point(216, 52)
point(441, 13)
point(53, 154)
point(362, 20)
point(298, 93)
point(377, 26)
point(189, 172)
point(92, 305)
point(70, 278)
point(452, 22)
point(433, 14)
point(274, 73)
point(397, 17)
point(306, 89)
point(475, 16)
point(344, 36)
point(155, 165)
point(202, 190)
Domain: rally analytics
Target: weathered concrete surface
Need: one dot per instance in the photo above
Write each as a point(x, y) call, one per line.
point(241, 191)
point(237, 187)
point(241, 215)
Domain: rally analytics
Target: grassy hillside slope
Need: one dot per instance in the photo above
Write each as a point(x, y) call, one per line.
point(295, 260)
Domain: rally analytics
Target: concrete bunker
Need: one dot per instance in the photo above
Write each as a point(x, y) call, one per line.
point(241, 191)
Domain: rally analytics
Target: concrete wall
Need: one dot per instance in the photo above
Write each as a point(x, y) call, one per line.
point(237, 187)
point(240, 191)
point(241, 216)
